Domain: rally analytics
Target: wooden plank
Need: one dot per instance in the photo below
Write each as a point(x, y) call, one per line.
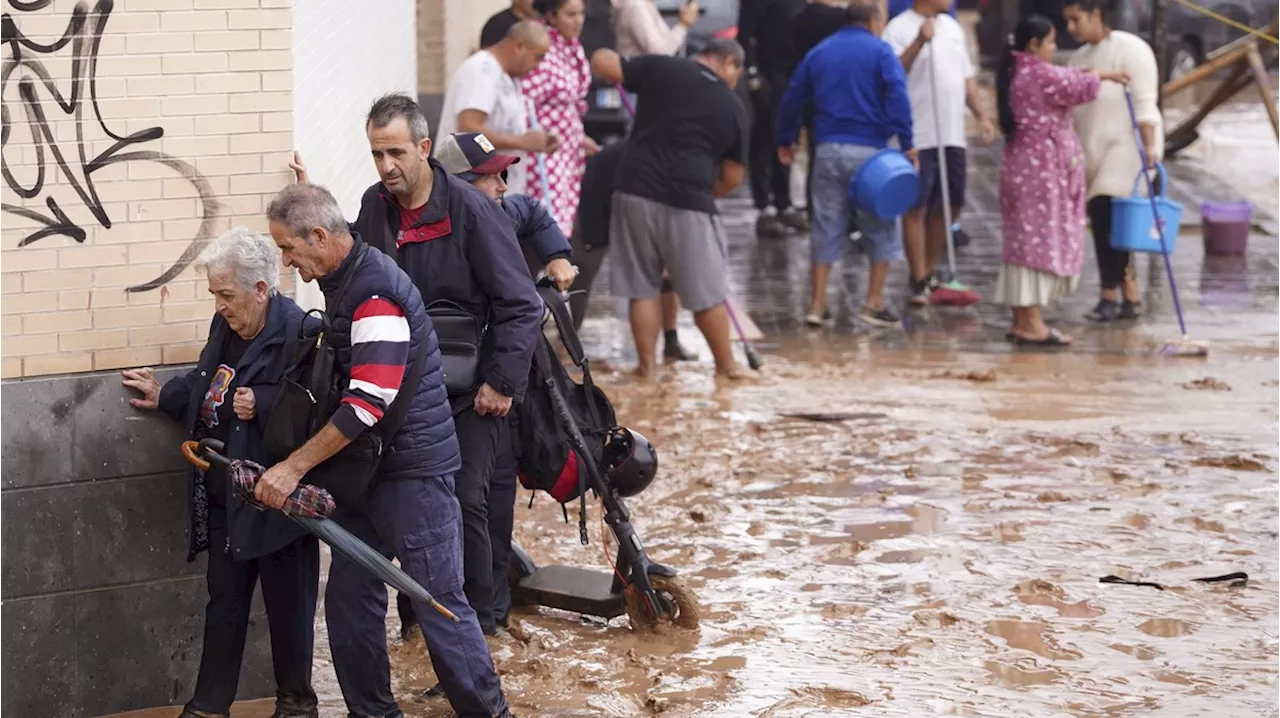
point(1204, 70)
point(1185, 133)
point(1263, 81)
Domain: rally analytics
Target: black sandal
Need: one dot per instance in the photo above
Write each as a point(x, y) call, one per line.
point(1053, 339)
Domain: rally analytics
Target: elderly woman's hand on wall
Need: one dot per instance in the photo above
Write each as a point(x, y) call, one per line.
point(144, 380)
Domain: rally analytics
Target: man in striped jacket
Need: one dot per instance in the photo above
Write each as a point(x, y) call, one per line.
point(379, 322)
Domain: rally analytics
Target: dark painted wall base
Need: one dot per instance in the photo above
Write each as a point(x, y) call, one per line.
point(101, 611)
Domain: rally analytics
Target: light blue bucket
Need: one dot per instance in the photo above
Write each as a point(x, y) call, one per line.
point(885, 185)
point(1131, 227)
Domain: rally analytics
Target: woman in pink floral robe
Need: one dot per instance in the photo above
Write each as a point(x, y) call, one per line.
point(1042, 183)
point(557, 92)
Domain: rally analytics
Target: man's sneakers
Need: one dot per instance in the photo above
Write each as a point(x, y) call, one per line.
point(879, 317)
point(922, 289)
point(778, 226)
point(814, 320)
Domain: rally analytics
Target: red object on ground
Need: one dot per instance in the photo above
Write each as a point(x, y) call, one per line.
point(949, 297)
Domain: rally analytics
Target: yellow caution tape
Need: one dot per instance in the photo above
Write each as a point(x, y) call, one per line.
point(1229, 21)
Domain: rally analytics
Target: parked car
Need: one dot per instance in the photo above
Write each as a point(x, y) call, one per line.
point(1189, 35)
point(607, 119)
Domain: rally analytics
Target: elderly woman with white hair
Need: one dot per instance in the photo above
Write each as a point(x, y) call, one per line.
point(226, 397)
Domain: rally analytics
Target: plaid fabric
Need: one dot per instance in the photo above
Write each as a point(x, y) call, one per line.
point(306, 500)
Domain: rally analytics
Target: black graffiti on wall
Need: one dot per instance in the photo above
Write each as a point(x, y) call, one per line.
point(84, 36)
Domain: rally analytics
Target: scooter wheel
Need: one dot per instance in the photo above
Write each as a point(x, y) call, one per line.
point(679, 604)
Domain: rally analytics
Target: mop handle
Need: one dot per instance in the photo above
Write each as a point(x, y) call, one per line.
point(626, 99)
point(943, 177)
point(539, 158)
point(1155, 209)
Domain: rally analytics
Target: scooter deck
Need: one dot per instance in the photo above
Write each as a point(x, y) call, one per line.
point(570, 589)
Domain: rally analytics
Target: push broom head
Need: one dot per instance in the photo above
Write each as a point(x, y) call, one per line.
point(1185, 348)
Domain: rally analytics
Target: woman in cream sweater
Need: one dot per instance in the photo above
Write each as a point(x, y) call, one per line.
point(1111, 158)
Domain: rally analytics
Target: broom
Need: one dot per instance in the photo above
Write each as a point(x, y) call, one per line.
point(953, 292)
point(1184, 347)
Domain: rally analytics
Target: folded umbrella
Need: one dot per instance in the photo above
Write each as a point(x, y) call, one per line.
point(309, 506)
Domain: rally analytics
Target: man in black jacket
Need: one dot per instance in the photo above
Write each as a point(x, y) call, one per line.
point(458, 246)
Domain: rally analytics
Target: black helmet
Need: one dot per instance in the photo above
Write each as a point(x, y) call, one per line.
point(632, 461)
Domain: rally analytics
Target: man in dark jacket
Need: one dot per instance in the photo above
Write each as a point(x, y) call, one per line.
point(227, 397)
point(457, 246)
point(379, 323)
point(469, 157)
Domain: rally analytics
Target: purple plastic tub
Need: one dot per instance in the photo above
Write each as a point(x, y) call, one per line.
point(1226, 227)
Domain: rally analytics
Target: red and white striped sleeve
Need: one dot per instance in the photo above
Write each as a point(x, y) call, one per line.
point(379, 355)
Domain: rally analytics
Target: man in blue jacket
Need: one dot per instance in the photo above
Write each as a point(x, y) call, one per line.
point(856, 113)
point(457, 246)
point(379, 322)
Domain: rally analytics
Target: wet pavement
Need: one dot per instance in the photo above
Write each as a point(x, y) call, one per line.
point(937, 551)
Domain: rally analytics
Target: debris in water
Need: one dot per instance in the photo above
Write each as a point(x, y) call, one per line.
point(1207, 383)
point(975, 376)
point(1233, 461)
point(697, 515)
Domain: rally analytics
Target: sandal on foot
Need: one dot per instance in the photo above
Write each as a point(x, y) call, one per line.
point(1052, 339)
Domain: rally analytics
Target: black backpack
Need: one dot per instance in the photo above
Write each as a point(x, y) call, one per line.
point(547, 460)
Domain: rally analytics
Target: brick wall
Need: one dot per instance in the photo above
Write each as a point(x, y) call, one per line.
point(174, 125)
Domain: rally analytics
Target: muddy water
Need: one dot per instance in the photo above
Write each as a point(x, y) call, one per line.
point(943, 558)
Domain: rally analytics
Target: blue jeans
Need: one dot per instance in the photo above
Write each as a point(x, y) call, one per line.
point(834, 212)
point(419, 522)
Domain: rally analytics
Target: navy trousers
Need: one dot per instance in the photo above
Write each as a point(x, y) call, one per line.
point(419, 522)
point(502, 516)
point(290, 581)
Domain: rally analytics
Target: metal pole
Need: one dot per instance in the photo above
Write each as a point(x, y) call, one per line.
point(1159, 46)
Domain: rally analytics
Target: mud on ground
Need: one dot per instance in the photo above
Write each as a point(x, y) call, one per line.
point(936, 554)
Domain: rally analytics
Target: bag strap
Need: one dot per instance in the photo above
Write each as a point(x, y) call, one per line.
point(394, 417)
point(351, 274)
point(569, 338)
point(564, 323)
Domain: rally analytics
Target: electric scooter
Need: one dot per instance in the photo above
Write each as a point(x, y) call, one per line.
point(646, 591)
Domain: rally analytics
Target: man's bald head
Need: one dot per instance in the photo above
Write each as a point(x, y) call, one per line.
point(862, 12)
point(523, 47)
point(530, 32)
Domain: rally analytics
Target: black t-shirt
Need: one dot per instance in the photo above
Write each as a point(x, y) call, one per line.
point(496, 28)
point(597, 195)
point(764, 28)
point(687, 122)
point(216, 416)
point(815, 23)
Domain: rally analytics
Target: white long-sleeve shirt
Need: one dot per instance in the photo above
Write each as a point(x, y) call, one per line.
point(639, 29)
point(1106, 132)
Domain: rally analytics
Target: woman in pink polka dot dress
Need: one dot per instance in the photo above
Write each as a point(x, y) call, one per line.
point(557, 91)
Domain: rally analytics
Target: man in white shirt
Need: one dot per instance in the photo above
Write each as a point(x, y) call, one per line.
point(929, 41)
point(484, 96)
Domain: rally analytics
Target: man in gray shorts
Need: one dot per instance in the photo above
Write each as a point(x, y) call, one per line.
point(855, 116)
point(687, 148)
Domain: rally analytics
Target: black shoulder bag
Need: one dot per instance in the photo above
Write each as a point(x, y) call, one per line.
point(460, 334)
point(309, 394)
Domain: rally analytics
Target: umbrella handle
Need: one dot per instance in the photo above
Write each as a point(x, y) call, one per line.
point(190, 452)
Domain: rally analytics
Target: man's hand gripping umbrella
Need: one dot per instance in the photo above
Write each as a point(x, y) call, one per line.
point(310, 507)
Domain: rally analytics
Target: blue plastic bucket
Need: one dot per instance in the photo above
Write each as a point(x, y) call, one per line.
point(885, 185)
point(1131, 227)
